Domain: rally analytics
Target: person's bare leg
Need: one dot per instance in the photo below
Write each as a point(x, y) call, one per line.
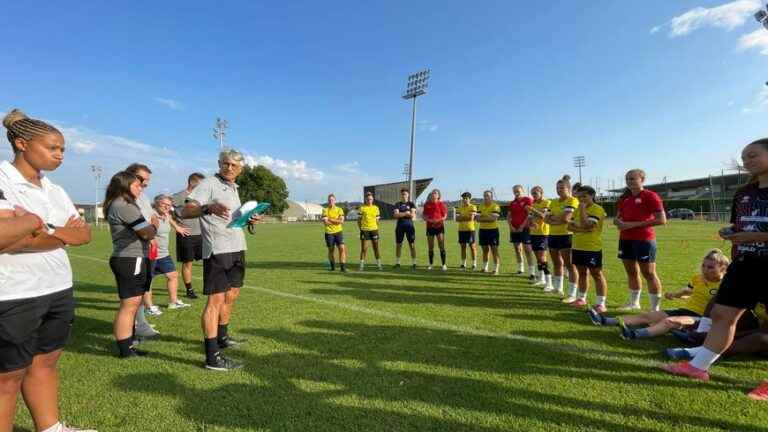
point(173, 286)
point(648, 271)
point(645, 319)
point(343, 253)
point(376, 249)
point(186, 272)
point(10, 387)
point(126, 315)
point(601, 286)
point(229, 303)
point(211, 315)
point(633, 280)
point(40, 389)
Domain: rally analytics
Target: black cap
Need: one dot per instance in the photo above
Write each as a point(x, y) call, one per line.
point(466, 195)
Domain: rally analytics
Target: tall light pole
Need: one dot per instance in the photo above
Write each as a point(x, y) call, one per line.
point(761, 16)
point(417, 86)
point(220, 131)
point(96, 170)
point(579, 162)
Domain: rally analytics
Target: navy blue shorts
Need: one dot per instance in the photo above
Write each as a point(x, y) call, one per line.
point(489, 237)
point(558, 242)
point(369, 235)
point(163, 265)
point(335, 239)
point(433, 231)
point(643, 251)
point(682, 312)
point(523, 237)
point(466, 237)
point(588, 259)
point(539, 242)
point(403, 232)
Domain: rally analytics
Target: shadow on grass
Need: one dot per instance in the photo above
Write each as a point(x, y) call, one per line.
point(350, 376)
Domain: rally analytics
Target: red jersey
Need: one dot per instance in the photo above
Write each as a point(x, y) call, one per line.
point(639, 208)
point(435, 210)
point(518, 211)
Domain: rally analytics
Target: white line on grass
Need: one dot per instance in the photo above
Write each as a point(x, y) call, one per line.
point(561, 345)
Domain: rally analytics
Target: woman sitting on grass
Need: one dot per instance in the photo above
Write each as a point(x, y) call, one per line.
point(698, 293)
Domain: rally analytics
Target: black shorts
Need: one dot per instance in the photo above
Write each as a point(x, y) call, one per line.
point(744, 285)
point(335, 239)
point(222, 272)
point(189, 248)
point(643, 251)
point(433, 231)
point(369, 235)
point(523, 237)
point(466, 237)
point(588, 259)
point(132, 275)
point(488, 237)
point(403, 232)
point(558, 242)
point(682, 312)
point(539, 242)
point(29, 327)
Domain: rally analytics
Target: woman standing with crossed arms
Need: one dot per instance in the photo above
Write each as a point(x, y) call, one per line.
point(560, 239)
point(435, 212)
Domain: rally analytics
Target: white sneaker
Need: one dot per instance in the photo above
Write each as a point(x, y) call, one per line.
point(65, 428)
point(495, 273)
point(146, 331)
point(380, 267)
point(444, 267)
point(539, 283)
point(153, 310)
point(178, 305)
point(474, 267)
point(629, 307)
point(548, 289)
point(429, 267)
point(362, 266)
point(569, 299)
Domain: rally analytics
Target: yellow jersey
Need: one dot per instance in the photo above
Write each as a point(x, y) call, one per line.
point(369, 217)
point(557, 208)
point(465, 211)
point(487, 210)
point(761, 313)
point(538, 226)
point(703, 291)
point(590, 241)
point(333, 213)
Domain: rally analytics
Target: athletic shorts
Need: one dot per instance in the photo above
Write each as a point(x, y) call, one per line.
point(222, 272)
point(33, 326)
point(189, 248)
point(558, 242)
point(643, 251)
point(539, 242)
point(335, 239)
point(682, 312)
point(488, 237)
point(433, 231)
point(744, 283)
point(133, 275)
point(588, 259)
point(163, 265)
point(403, 232)
point(466, 237)
point(369, 235)
point(523, 237)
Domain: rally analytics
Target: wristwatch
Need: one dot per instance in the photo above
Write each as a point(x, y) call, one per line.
point(50, 229)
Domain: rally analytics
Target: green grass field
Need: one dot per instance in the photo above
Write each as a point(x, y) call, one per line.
point(395, 351)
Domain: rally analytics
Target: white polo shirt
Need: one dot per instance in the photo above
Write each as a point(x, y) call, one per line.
point(28, 275)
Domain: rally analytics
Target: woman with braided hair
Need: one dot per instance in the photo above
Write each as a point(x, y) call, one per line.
point(36, 300)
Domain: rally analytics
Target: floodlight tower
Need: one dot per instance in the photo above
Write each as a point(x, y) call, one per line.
point(417, 86)
point(96, 170)
point(579, 162)
point(761, 16)
point(220, 131)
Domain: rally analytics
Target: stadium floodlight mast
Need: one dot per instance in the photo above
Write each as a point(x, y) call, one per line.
point(97, 171)
point(417, 86)
point(220, 131)
point(579, 162)
point(761, 16)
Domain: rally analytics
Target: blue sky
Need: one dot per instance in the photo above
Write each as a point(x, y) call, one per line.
point(312, 89)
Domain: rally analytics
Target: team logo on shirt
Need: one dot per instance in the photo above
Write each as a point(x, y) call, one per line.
point(638, 201)
point(745, 199)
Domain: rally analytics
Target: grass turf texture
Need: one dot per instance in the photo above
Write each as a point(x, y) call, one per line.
point(395, 350)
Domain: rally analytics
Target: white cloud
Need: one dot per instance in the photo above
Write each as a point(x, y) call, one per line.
point(295, 169)
point(428, 126)
point(759, 103)
point(349, 167)
point(84, 147)
point(727, 16)
point(758, 39)
point(86, 141)
point(170, 103)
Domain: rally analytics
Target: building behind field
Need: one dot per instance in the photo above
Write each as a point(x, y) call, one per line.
point(386, 195)
point(302, 212)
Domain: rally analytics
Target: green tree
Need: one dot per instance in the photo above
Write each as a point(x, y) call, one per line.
point(260, 184)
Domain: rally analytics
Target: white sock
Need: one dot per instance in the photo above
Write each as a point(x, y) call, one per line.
point(542, 277)
point(378, 261)
point(655, 302)
point(485, 265)
point(55, 428)
point(397, 260)
point(600, 300)
point(694, 350)
point(582, 295)
point(464, 262)
point(704, 359)
point(558, 282)
point(704, 325)
point(634, 297)
point(573, 292)
point(532, 269)
point(521, 266)
point(549, 280)
point(413, 260)
point(496, 266)
point(474, 263)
